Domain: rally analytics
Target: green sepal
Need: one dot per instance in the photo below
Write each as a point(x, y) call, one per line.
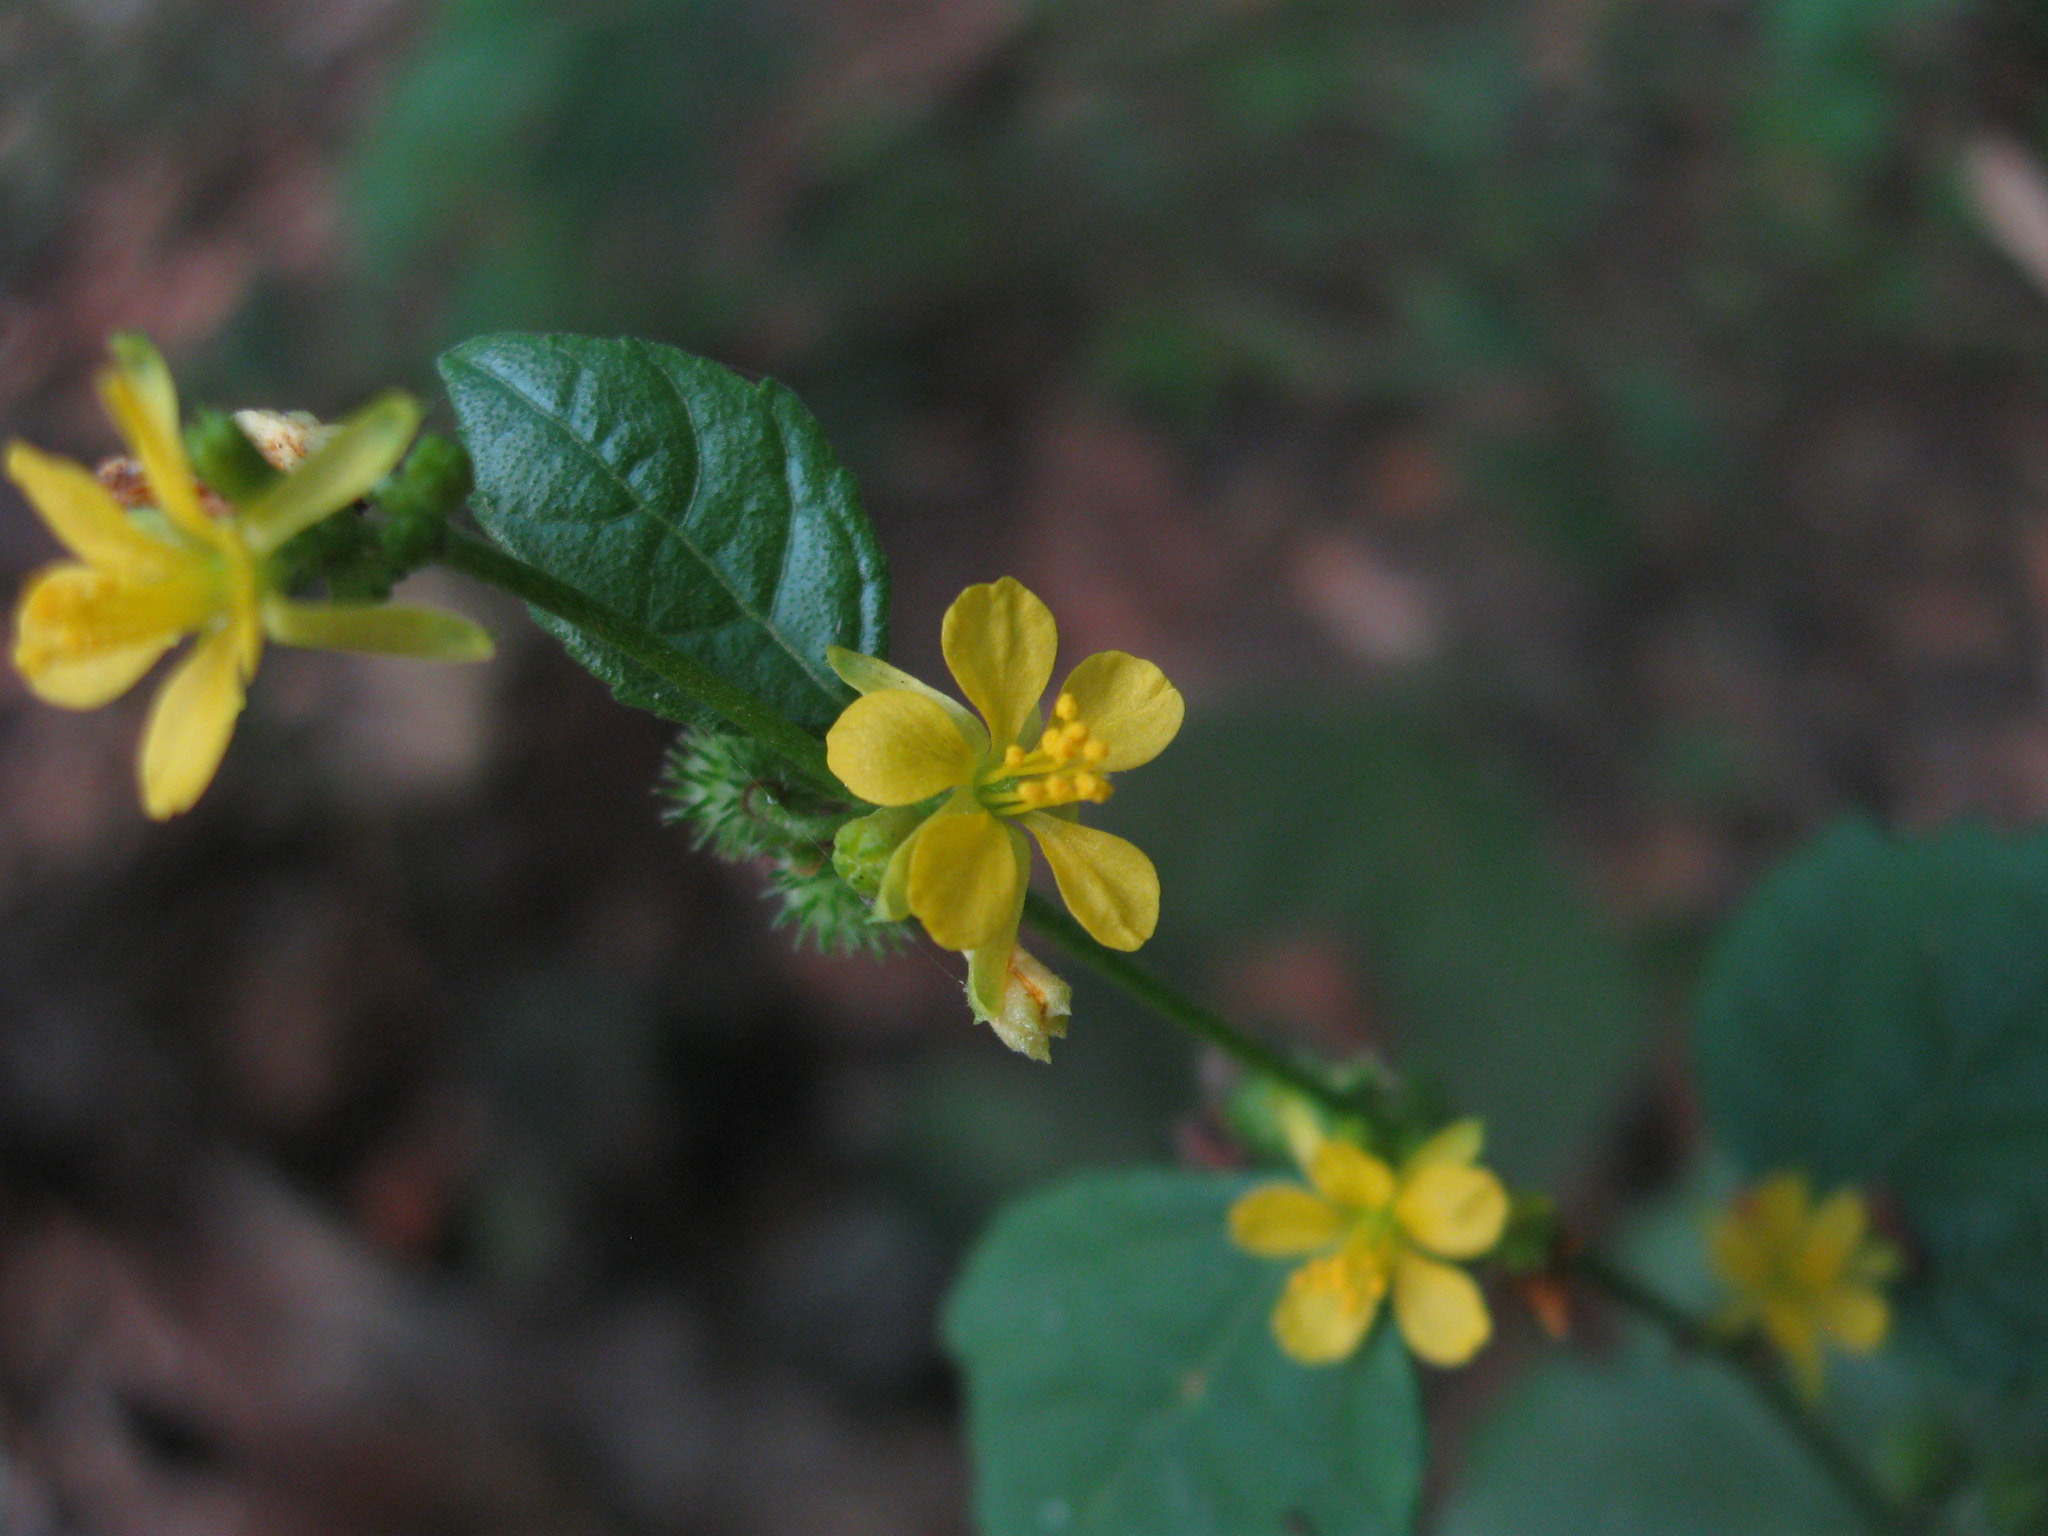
point(862, 848)
point(417, 499)
point(224, 458)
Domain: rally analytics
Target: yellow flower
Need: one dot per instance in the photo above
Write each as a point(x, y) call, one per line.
point(963, 869)
point(87, 630)
point(1372, 1229)
point(1807, 1275)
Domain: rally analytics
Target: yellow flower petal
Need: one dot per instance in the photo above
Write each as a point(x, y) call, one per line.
point(190, 721)
point(362, 451)
point(990, 983)
point(1459, 1142)
point(1455, 1212)
point(1795, 1334)
point(83, 514)
point(1855, 1319)
point(91, 682)
point(964, 879)
point(1000, 641)
point(1128, 706)
point(1777, 1209)
point(1440, 1309)
point(1301, 1129)
point(1105, 881)
point(378, 628)
point(1344, 1175)
point(1284, 1221)
point(1327, 1308)
point(78, 630)
point(897, 748)
point(1829, 1240)
point(1739, 1256)
point(870, 674)
point(138, 394)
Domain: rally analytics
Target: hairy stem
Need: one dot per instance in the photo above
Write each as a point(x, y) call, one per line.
point(1850, 1478)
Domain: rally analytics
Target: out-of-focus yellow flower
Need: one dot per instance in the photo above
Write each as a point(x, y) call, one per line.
point(1808, 1275)
point(963, 869)
point(86, 630)
point(1372, 1229)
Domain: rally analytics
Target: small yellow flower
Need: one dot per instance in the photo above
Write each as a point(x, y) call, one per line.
point(1807, 1275)
point(964, 867)
point(87, 630)
point(1372, 1229)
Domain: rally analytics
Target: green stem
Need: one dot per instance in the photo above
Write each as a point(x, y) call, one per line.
point(1848, 1475)
point(1175, 1006)
point(487, 563)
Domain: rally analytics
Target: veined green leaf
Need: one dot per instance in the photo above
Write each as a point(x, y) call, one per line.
point(705, 508)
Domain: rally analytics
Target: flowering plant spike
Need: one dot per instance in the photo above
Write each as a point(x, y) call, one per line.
point(990, 778)
point(86, 630)
point(1807, 1275)
point(1369, 1229)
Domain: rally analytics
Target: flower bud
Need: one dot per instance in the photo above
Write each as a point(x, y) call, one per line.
point(1036, 1004)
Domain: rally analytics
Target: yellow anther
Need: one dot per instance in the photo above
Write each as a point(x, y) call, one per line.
point(1059, 789)
point(1095, 751)
point(1075, 734)
point(1032, 792)
point(1065, 708)
point(1012, 755)
point(1051, 740)
point(1086, 785)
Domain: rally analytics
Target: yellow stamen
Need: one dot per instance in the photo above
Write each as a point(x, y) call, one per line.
point(1050, 742)
point(1065, 708)
point(1012, 755)
point(1033, 792)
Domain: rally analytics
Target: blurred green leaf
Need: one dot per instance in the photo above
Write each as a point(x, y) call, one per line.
point(1385, 830)
point(1122, 1379)
point(1650, 1445)
point(705, 508)
point(1878, 1014)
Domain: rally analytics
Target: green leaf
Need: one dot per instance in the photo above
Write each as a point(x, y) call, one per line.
point(1878, 1014)
point(1651, 1445)
point(1382, 829)
point(1122, 1379)
point(707, 509)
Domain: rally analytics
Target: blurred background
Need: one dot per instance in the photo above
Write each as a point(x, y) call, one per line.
point(1564, 449)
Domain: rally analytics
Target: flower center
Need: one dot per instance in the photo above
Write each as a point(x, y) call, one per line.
point(1063, 769)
